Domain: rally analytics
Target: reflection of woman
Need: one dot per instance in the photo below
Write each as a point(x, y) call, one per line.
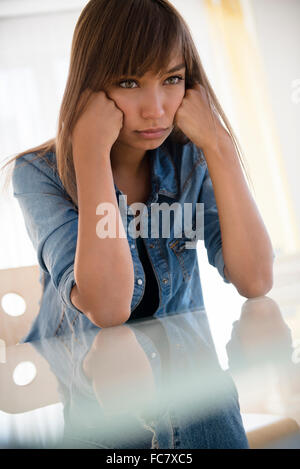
point(134, 67)
point(155, 383)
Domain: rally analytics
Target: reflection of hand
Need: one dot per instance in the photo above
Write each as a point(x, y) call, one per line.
point(262, 340)
point(119, 370)
point(262, 324)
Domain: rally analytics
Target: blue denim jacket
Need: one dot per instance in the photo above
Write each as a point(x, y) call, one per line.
point(178, 174)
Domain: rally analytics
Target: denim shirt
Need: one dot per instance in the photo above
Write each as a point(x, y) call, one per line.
point(179, 174)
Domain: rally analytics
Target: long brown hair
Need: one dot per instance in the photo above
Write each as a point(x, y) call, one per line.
point(115, 38)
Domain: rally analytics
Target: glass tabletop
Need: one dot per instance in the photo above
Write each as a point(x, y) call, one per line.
point(173, 382)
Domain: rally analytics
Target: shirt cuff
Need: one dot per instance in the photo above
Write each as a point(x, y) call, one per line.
point(219, 263)
point(66, 284)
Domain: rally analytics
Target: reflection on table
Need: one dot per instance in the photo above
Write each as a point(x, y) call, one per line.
point(156, 383)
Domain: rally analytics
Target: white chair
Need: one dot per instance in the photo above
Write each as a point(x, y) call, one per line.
point(23, 281)
point(42, 390)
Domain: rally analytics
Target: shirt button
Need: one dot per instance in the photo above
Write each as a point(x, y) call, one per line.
point(165, 280)
point(140, 281)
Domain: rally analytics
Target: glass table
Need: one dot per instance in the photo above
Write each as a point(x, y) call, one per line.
point(158, 383)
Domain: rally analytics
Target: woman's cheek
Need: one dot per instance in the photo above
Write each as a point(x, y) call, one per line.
point(180, 96)
point(178, 104)
point(119, 99)
point(127, 107)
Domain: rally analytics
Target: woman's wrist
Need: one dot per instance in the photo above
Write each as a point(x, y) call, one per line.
point(88, 154)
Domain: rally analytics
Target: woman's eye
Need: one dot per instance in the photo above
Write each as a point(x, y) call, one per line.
point(174, 81)
point(178, 78)
point(126, 81)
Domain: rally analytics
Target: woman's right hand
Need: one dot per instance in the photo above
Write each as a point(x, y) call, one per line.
point(98, 125)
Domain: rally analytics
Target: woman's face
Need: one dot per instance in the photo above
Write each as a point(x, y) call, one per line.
point(149, 102)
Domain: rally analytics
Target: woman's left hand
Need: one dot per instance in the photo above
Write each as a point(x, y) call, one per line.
point(195, 119)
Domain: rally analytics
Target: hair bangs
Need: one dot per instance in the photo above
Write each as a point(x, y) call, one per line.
point(146, 39)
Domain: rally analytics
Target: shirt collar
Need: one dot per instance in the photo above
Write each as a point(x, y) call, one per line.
point(164, 179)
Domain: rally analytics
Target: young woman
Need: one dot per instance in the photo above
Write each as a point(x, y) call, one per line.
point(138, 118)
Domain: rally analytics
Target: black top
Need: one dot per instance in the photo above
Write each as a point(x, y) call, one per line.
point(150, 300)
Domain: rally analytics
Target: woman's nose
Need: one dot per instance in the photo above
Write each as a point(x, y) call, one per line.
point(152, 105)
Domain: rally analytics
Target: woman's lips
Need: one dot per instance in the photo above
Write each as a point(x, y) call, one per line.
point(152, 134)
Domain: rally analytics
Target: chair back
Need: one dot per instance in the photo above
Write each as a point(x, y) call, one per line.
point(23, 281)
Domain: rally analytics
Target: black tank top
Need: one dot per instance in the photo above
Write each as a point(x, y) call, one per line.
point(150, 300)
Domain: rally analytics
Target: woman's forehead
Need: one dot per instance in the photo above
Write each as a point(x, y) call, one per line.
point(175, 59)
point(175, 63)
point(172, 64)
point(157, 65)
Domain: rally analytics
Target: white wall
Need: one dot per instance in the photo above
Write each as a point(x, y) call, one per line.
point(35, 40)
point(34, 58)
point(278, 32)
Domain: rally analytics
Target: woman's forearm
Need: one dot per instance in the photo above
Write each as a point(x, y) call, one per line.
point(103, 267)
point(247, 249)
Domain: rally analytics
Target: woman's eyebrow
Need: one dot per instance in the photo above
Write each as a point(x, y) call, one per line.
point(176, 68)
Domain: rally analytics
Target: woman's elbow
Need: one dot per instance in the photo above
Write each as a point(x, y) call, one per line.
point(108, 318)
point(257, 287)
point(102, 312)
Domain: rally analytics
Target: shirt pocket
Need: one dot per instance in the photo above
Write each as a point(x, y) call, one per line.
point(184, 250)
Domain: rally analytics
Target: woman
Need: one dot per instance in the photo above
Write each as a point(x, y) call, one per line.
point(134, 67)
